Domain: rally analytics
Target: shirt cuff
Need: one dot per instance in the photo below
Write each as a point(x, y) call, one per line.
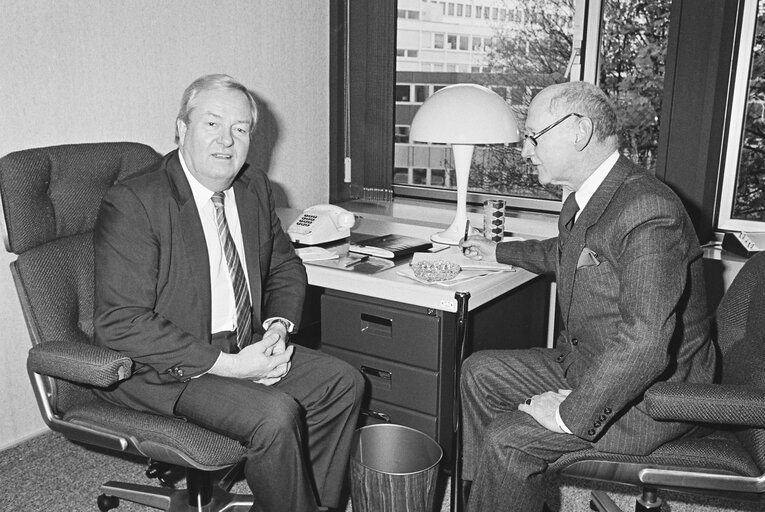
point(211, 368)
point(289, 325)
point(560, 423)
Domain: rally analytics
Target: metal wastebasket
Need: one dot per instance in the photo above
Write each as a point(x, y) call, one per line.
point(393, 469)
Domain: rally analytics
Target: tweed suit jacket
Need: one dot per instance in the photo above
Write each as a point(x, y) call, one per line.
point(152, 275)
point(632, 297)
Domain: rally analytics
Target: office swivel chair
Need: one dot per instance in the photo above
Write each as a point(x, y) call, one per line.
point(728, 462)
point(50, 199)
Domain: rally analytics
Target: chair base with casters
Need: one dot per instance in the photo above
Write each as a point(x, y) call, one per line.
point(201, 493)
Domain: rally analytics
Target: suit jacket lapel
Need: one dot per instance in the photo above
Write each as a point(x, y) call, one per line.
point(248, 201)
point(567, 266)
point(194, 240)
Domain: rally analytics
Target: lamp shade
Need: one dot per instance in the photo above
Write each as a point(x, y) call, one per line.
point(464, 114)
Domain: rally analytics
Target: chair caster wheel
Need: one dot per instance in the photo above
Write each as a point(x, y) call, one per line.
point(107, 502)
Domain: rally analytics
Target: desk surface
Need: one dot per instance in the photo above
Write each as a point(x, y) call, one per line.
point(389, 285)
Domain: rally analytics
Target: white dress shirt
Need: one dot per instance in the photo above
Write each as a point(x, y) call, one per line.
point(222, 301)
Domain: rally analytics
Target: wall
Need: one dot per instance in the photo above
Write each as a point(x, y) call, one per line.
point(97, 70)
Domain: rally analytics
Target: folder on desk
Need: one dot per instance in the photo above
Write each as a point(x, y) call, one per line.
point(389, 246)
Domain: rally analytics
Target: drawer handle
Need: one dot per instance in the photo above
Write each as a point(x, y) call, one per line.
point(376, 415)
point(374, 324)
point(374, 372)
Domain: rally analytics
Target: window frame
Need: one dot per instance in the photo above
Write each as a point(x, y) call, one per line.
point(732, 152)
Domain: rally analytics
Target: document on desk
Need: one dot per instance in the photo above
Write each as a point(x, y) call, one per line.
point(454, 255)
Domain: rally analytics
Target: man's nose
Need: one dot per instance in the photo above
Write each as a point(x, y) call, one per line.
point(225, 138)
point(527, 148)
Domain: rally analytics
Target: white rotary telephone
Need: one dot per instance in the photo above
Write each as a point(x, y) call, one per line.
point(320, 224)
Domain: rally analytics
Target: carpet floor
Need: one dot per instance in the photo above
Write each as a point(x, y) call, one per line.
point(49, 473)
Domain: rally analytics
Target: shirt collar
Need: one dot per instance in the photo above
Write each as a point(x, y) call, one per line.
point(201, 193)
point(592, 183)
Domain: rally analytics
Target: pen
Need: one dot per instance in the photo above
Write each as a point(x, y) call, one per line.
point(356, 262)
point(467, 230)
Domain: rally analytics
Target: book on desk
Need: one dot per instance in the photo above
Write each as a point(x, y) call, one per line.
point(388, 246)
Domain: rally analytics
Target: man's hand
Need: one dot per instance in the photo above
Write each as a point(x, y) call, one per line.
point(477, 247)
point(266, 361)
point(278, 333)
point(543, 408)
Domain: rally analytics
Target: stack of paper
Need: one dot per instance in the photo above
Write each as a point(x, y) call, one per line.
point(315, 254)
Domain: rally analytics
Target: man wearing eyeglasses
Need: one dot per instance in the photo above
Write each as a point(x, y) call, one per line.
point(628, 269)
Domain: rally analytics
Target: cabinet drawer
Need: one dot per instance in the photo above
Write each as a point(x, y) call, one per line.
point(407, 386)
point(382, 331)
point(381, 412)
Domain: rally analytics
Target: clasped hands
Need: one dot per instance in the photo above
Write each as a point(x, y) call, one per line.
point(266, 361)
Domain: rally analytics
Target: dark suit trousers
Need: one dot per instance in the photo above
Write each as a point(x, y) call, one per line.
point(298, 432)
point(505, 451)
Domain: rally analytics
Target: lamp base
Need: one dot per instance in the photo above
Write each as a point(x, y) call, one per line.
point(448, 237)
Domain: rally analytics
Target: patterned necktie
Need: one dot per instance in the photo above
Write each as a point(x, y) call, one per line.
point(241, 294)
point(566, 219)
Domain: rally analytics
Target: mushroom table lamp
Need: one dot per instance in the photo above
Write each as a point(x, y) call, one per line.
point(463, 115)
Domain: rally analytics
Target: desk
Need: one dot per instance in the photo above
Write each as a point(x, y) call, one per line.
point(407, 337)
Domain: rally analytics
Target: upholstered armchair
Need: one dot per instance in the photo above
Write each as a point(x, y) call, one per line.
point(50, 199)
point(729, 461)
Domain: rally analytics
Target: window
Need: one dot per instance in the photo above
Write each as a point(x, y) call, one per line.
point(517, 60)
point(742, 201)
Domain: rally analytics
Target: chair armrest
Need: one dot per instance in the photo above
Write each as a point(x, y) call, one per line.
point(79, 362)
point(707, 403)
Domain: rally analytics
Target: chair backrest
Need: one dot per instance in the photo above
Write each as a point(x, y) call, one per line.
point(50, 199)
point(740, 324)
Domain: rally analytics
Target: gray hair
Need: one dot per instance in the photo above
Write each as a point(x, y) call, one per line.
point(209, 83)
point(590, 101)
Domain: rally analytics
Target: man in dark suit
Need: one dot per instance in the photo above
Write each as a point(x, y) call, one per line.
point(199, 285)
point(631, 293)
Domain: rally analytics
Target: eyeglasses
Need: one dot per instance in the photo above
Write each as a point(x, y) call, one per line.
point(532, 137)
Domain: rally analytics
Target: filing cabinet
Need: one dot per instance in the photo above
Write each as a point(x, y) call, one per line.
point(407, 353)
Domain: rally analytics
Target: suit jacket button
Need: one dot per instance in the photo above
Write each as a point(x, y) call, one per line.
point(559, 358)
point(597, 424)
point(602, 417)
point(574, 341)
point(591, 432)
point(607, 410)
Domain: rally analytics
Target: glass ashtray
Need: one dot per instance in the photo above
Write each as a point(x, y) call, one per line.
point(435, 271)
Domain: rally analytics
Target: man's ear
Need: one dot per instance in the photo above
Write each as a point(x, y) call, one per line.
point(584, 131)
point(181, 127)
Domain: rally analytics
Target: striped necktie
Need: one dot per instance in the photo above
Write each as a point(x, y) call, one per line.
point(566, 219)
point(241, 294)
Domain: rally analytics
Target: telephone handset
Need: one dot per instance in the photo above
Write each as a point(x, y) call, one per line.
point(320, 224)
